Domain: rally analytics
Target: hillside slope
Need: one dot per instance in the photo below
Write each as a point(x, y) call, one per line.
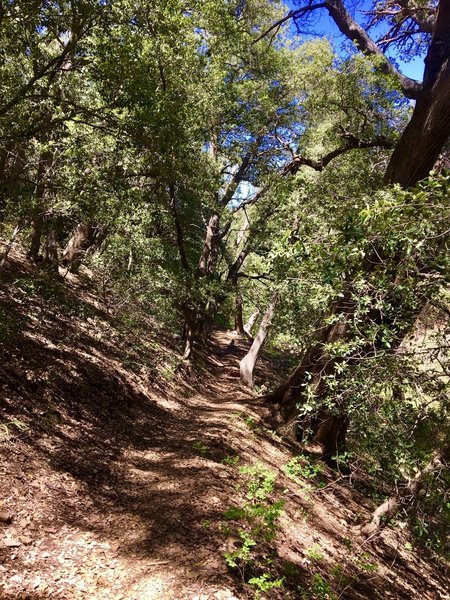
point(119, 467)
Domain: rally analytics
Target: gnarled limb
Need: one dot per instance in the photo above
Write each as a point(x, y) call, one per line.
point(247, 364)
point(391, 506)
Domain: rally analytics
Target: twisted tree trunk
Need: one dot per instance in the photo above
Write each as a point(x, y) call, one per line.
point(83, 238)
point(250, 323)
point(247, 364)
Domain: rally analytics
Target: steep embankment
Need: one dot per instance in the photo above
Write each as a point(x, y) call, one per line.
point(118, 465)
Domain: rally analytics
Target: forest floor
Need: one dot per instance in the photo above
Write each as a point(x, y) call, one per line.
point(118, 464)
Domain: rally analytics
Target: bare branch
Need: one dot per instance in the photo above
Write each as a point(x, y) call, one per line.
point(237, 178)
point(354, 32)
point(293, 14)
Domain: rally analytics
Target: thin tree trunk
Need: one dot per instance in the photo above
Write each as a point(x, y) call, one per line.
point(238, 318)
point(188, 333)
point(241, 232)
point(208, 258)
point(36, 234)
point(9, 245)
point(247, 364)
point(45, 162)
point(130, 261)
point(391, 506)
point(252, 320)
point(51, 251)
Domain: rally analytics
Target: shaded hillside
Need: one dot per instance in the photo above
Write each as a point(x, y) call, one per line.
point(127, 475)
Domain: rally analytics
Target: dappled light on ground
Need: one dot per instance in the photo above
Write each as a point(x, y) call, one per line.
point(117, 482)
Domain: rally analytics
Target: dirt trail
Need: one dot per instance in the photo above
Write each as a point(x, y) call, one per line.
point(117, 488)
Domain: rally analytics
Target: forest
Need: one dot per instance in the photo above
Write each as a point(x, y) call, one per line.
point(224, 299)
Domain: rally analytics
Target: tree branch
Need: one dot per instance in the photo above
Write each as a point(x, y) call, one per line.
point(236, 179)
point(400, 11)
point(261, 276)
point(293, 14)
point(355, 33)
point(352, 144)
point(51, 67)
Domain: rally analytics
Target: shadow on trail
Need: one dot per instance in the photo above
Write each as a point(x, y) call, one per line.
point(147, 460)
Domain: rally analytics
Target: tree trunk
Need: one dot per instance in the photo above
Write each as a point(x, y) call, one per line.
point(36, 234)
point(81, 240)
point(429, 128)
point(233, 271)
point(391, 506)
point(252, 320)
point(45, 163)
point(238, 318)
point(17, 229)
point(247, 364)
point(188, 334)
point(315, 362)
point(205, 321)
point(241, 232)
point(210, 251)
point(330, 434)
point(51, 251)
point(200, 324)
point(329, 428)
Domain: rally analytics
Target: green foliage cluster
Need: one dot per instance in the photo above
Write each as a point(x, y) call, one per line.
point(258, 517)
point(300, 467)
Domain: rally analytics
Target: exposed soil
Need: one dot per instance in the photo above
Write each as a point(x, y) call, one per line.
point(111, 467)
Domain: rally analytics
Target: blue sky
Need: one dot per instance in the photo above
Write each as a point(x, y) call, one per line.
point(324, 25)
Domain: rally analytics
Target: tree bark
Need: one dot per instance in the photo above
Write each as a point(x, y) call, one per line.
point(45, 163)
point(247, 364)
point(188, 334)
point(252, 320)
point(429, 128)
point(210, 251)
point(238, 318)
point(83, 238)
point(233, 271)
point(51, 251)
point(36, 234)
